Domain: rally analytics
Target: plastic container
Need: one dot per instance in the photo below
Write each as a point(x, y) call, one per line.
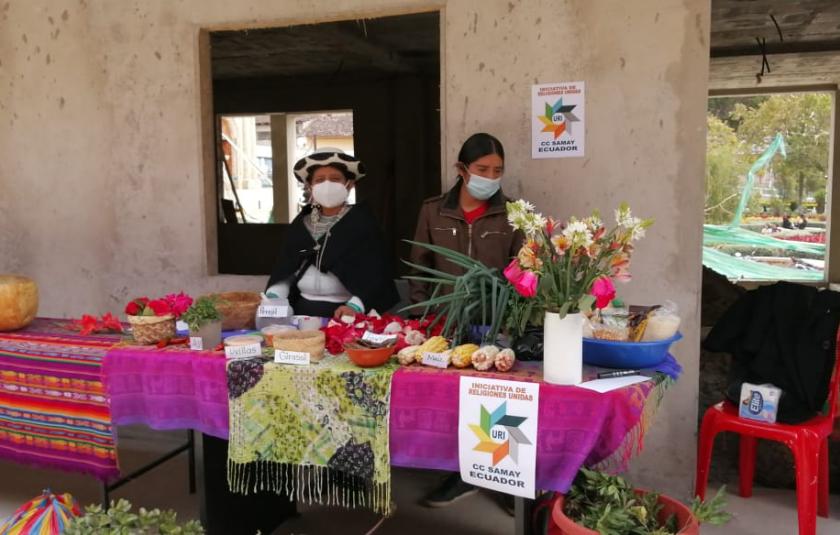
point(626, 355)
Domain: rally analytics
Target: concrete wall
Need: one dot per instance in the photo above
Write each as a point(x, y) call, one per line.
point(101, 188)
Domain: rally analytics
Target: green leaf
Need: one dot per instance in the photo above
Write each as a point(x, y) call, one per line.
point(586, 302)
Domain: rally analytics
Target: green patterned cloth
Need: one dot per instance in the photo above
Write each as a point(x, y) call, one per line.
point(317, 432)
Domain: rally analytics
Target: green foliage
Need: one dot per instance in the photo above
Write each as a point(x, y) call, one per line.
point(725, 167)
point(804, 119)
point(478, 297)
point(609, 505)
point(202, 312)
point(120, 520)
point(712, 511)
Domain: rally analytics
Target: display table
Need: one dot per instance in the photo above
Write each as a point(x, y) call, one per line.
point(577, 427)
point(54, 412)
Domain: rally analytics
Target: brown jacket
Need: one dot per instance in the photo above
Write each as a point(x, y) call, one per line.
point(490, 239)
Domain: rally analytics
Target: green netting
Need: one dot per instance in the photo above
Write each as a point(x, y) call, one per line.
point(777, 145)
point(741, 268)
point(724, 235)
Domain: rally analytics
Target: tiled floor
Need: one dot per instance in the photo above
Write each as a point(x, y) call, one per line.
point(768, 512)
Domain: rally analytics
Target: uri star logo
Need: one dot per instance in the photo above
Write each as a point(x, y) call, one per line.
point(515, 437)
point(558, 118)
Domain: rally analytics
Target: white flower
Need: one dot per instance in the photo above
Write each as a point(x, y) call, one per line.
point(637, 233)
point(578, 234)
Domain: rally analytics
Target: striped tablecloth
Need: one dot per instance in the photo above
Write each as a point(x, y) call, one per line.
point(54, 412)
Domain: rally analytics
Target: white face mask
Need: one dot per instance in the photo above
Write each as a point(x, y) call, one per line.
point(482, 188)
point(330, 194)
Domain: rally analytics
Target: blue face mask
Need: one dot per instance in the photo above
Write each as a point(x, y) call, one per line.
point(483, 188)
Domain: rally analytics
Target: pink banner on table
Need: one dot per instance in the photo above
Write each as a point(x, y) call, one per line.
point(172, 388)
point(577, 427)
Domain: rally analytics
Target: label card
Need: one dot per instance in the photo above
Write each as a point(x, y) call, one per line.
point(291, 357)
point(181, 326)
point(243, 351)
point(383, 339)
point(273, 311)
point(196, 343)
point(436, 360)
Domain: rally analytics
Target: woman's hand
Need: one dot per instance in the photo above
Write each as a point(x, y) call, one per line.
point(344, 310)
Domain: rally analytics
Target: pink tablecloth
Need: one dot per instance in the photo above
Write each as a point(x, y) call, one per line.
point(172, 388)
point(577, 427)
point(182, 389)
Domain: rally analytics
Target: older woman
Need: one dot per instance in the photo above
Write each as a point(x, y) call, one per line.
point(334, 261)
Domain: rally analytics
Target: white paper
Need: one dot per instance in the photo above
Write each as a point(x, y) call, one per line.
point(296, 358)
point(497, 434)
point(436, 360)
point(612, 383)
point(181, 326)
point(558, 124)
point(243, 351)
point(379, 338)
point(272, 311)
point(196, 343)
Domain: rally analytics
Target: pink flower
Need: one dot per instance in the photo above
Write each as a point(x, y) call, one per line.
point(524, 282)
point(179, 303)
point(603, 290)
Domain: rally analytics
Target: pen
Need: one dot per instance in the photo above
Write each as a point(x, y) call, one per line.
point(620, 373)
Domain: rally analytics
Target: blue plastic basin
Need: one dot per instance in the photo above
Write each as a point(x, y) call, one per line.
point(626, 355)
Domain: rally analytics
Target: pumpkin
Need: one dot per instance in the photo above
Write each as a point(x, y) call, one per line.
point(18, 302)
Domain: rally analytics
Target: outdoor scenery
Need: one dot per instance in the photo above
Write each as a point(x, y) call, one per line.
point(766, 186)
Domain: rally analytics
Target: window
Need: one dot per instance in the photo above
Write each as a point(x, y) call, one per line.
point(368, 87)
point(766, 203)
point(250, 192)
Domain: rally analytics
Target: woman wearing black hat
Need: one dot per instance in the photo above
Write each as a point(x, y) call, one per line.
point(334, 261)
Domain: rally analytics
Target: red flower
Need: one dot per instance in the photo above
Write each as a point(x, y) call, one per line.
point(604, 291)
point(142, 301)
point(161, 307)
point(86, 325)
point(110, 322)
point(132, 309)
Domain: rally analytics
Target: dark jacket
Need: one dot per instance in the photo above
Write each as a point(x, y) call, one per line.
point(490, 239)
point(783, 334)
point(353, 250)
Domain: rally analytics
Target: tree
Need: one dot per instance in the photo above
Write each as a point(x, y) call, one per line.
point(725, 167)
point(804, 120)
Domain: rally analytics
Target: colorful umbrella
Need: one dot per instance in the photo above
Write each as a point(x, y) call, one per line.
point(46, 514)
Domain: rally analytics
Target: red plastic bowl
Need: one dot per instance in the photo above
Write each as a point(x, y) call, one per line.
point(370, 358)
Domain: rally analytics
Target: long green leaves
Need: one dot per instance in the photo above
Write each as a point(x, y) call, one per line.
point(478, 297)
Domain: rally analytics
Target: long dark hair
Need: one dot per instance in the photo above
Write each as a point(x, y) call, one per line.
point(478, 146)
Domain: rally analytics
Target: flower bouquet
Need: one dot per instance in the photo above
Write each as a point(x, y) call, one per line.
point(561, 272)
point(153, 320)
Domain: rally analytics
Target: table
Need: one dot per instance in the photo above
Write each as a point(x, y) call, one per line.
point(174, 388)
point(54, 412)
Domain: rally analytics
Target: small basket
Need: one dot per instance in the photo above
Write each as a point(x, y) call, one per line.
point(238, 309)
point(152, 329)
point(312, 342)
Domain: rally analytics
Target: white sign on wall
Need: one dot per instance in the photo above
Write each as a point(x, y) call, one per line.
point(558, 120)
point(497, 434)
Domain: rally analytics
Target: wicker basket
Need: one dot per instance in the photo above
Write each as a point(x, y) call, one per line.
point(152, 329)
point(311, 342)
point(238, 309)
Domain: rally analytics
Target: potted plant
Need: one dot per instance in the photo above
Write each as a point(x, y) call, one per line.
point(120, 519)
point(205, 323)
point(561, 272)
point(598, 503)
point(153, 320)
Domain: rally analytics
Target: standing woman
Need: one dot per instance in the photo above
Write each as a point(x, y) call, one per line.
point(334, 261)
point(470, 218)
